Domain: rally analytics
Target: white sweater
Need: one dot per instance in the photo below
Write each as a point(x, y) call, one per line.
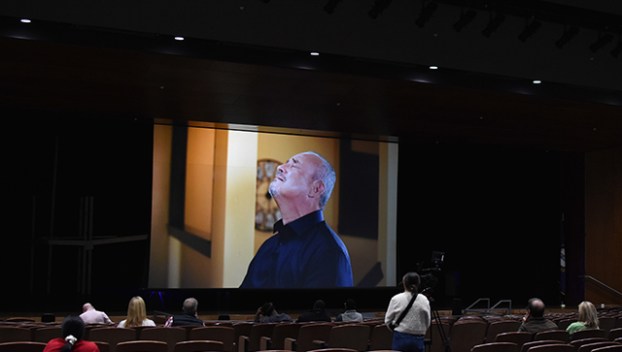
point(416, 321)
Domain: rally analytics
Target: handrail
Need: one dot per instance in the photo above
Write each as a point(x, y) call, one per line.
point(602, 284)
point(470, 308)
point(509, 309)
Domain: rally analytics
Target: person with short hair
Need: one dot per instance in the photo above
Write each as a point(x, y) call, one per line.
point(268, 314)
point(90, 315)
point(318, 313)
point(534, 320)
point(189, 314)
point(304, 251)
point(71, 341)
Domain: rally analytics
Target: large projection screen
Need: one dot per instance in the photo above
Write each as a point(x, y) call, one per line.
point(210, 213)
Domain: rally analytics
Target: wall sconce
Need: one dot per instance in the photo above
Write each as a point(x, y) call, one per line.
point(466, 17)
point(494, 23)
point(567, 35)
point(529, 30)
point(427, 11)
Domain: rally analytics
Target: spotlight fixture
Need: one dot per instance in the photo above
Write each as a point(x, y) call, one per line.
point(330, 6)
point(602, 40)
point(568, 34)
point(529, 30)
point(493, 24)
point(466, 17)
point(378, 8)
point(427, 11)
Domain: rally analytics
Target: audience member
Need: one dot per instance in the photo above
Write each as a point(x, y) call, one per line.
point(136, 314)
point(534, 320)
point(72, 330)
point(587, 318)
point(304, 252)
point(268, 314)
point(410, 330)
point(318, 313)
point(189, 314)
point(350, 313)
point(90, 315)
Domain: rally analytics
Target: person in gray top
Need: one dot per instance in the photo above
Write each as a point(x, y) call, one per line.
point(350, 314)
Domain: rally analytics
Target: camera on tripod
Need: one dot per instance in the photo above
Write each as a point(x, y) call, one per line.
point(429, 274)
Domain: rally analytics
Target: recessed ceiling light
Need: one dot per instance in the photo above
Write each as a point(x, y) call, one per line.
point(314, 53)
point(433, 67)
point(536, 81)
point(179, 38)
point(25, 20)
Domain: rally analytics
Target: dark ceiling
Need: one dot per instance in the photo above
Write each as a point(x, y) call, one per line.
point(121, 63)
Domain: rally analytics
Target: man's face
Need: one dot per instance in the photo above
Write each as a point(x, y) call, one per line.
point(294, 179)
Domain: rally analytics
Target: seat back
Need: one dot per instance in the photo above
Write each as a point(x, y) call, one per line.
point(496, 347)
point(170, 335)
point(224, 334)
point(467, 333)
point(142, 346)
point(518, 337)
point(499, 326)
point(553, 347)
point(103, 346)
point(588, 347)
point(380, 338)
point(612, 348)
point(614, 333)
point(280, 332)
point(437, 336)
point(198, 346)
point(555, 334)
point(582, 334)
point(307, 334)
point(607, 322)
point(580, 342)
point(45, 334)
point(10, 333)
point(354, 336)
point(112, 335)
point(22, 346)
point(250, 342)
point(529, 344)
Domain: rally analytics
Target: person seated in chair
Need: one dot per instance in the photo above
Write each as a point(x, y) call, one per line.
point(189, 314)
point(318, 313)
point(534, 320)
point(71, 341)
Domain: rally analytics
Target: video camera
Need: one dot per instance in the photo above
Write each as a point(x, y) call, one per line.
point(429, 274)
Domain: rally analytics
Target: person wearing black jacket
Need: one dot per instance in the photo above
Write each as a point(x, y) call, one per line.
point(189, 314)
point(318, 313)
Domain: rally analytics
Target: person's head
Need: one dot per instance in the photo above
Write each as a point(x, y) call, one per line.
point(588, 314)
point(136, 312)
point(535, 307)
point(411, 281)
point(319, 305)
point(267, 308)
point(87, 306)
point(190, 306)
point(350, 304)
point(306, 179)
point(72, 330)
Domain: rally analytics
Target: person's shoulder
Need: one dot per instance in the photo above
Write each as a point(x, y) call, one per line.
point(149, 322)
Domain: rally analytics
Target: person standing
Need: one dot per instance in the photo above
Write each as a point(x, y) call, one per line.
point(409, 333)
point(72, 330)
point(304, 251)
point(90, 315)
point(587, 318)
point(534, 320)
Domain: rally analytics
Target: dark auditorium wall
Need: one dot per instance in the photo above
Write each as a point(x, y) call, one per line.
point(494, 210)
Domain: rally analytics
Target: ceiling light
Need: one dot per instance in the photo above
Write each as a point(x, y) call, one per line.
point(25, 20)
point(179, 38)
point(466, 17)
point(602, 40)
point(568, 34)
point(314, 53)
point(493, 24)
point(529, 30)
point(426, 13)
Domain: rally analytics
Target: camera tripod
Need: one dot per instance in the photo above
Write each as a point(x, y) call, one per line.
point(441, 331)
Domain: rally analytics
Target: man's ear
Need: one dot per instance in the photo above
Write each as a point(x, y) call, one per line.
point(317, 188)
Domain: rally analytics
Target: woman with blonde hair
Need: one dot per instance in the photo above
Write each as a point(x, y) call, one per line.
point(136, 314)
point(587, 318)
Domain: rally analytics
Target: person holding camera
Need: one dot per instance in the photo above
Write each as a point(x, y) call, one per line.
point(409, 316)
